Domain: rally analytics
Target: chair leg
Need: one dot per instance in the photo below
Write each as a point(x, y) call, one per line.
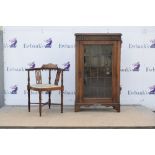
point(49, 99)
point(29, 100)
point(61, 101)
point(40, 103)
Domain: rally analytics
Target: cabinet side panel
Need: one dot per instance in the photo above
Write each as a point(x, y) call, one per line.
point(76, 71)
point(118, 69)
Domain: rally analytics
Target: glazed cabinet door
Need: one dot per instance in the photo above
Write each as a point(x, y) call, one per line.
point(97, 71)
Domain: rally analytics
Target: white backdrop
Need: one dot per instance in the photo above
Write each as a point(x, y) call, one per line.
point(25, 47)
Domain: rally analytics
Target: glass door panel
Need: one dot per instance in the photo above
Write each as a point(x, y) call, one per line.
point(98, 71)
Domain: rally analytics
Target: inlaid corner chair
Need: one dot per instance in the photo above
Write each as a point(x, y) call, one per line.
point(40, 87)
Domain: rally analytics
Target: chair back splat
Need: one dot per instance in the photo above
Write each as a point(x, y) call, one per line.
point(57, 77)
point(38, 77)
point(47, 87)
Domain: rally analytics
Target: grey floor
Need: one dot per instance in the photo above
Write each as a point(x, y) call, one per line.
point(93, 117)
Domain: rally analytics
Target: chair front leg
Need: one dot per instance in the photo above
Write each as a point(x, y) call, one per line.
point(62, 88)
point(49, 99)
point(28, 89)
point(29, 99)
point(61, 100)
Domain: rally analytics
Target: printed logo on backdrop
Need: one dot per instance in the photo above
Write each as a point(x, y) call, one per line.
point(15, 69)
point(133, 68)
point(20, 69)
point(66, 66)
point(150, 69)
point(31, 65)
point(45, 44)
point(153, 43)
point(12, 43)
point(14, 89)
point(149, 91)
point(48, 43)
point(66, 45)
point(136, 67)
point(152, 89)
point(149, 44)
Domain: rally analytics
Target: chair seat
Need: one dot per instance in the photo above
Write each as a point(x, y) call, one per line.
point(45, 87)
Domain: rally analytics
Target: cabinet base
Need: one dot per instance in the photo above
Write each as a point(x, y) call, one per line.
point(115, 106)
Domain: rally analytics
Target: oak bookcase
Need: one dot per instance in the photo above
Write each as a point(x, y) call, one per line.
point(98, 69)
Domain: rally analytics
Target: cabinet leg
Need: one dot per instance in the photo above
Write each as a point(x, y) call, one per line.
point(77, 108)
point(117, 108)
point(49, 99)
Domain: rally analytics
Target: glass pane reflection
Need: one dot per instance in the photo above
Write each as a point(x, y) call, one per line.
point(98, 71)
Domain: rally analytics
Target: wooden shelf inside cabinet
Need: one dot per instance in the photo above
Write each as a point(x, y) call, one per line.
point(98, 69)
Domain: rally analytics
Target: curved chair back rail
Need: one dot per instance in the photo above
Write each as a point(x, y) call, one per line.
point(39, 79)
point(39, 86)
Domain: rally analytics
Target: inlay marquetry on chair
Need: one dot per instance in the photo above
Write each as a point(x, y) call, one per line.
point(41, 87)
